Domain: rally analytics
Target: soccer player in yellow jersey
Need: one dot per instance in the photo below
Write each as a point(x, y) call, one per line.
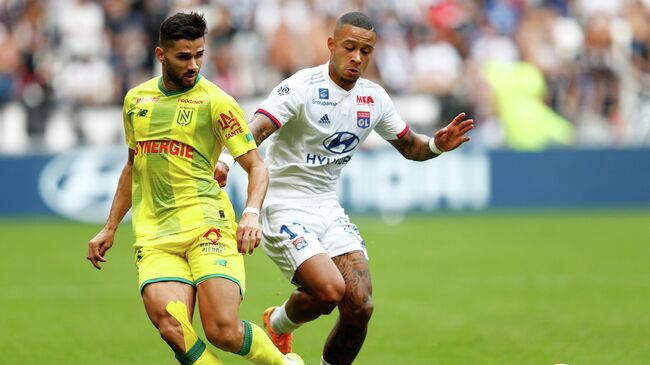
point(187, 244)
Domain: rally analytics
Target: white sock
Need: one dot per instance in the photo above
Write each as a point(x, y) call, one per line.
point(323, 362)
point(280, 322)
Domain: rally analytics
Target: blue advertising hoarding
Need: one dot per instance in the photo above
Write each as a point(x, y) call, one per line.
point(79, 184)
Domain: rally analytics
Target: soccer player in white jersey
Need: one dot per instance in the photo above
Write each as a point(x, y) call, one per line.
point(317, 119)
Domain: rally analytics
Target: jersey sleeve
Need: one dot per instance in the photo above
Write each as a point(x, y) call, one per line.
point(284, 102)
point(129, 133)
point(231, 127)
point(390, 126)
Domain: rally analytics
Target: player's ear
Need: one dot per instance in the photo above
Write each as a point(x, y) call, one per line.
point(159, 54)
point(330, 43)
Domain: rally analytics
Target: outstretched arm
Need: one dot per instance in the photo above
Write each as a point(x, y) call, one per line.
point(103, 241)
point(261, 127)
point(419, 147)
point(249, 233)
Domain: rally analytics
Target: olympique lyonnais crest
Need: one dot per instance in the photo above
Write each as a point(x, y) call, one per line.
point(363, 119)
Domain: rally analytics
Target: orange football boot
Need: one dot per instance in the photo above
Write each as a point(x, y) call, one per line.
point(282, 341)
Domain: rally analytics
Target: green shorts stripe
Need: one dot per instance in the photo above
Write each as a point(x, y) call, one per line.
point(158, 280)
point(224, 276)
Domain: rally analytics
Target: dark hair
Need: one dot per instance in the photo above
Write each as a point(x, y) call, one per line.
point(356, 19)
point(182, 26)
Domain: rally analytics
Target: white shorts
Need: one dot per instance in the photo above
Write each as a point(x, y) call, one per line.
point(291, 234)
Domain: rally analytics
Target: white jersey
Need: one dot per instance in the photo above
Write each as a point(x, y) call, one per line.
point(320, 126)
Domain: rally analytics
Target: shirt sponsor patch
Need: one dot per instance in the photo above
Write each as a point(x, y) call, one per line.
point(230, 125)
point(213, 235)
point(363, 119)
point(365, 100)
point(323, 93)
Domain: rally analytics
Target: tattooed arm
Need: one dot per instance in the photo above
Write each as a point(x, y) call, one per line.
point(415, 146)
point(261, 127)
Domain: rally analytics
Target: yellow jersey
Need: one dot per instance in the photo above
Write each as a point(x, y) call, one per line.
point(177, 137)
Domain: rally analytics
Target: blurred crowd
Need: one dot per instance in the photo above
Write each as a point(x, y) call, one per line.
point(534, 74)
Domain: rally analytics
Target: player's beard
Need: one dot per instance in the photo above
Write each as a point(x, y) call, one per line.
point(175, 78)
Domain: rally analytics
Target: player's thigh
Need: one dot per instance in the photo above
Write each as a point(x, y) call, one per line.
point(156, 263)
point(213, 254)
point(157, 296)
point(319, 275)
point(355, 271)
point(219, 300)
point(341, 236)
point(290, 236)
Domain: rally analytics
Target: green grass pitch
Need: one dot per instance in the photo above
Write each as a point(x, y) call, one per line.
point(466, 289)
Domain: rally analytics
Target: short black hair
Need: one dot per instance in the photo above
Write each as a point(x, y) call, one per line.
point(182, 26)
point(356, 19)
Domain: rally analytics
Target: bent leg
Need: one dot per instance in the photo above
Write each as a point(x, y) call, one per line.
point(321, 289)
point(219, 301)
point(170, 307)
point(355, 309)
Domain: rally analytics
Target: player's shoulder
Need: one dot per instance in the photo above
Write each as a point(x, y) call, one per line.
point(148, 86)
point(373, 89)
point(214, 92)
point(309, 76)
point(370, 85)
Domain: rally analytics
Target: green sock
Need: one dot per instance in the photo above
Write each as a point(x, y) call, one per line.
point(197, 353)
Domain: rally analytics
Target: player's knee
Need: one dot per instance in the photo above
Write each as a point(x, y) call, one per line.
point(171, 331)
point(330, 295)
point(226, 336)
point(357, 311)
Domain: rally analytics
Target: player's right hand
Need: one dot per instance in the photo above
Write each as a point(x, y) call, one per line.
point(98, 246)
point(221, 173)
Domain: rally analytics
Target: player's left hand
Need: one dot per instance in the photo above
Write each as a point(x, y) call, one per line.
point(453, 135)
point(249, 233)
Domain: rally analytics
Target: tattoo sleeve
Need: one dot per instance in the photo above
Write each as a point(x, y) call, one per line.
point(262, 127)
point(413, 146)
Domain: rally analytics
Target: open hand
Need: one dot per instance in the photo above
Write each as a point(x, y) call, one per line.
point(453, 135)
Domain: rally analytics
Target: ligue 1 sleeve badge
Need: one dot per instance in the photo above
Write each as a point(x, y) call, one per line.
point(363, 119)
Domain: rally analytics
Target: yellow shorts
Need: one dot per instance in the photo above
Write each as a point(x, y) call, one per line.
point(192, 257)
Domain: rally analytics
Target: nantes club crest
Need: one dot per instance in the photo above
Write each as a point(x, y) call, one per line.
point(184, 116)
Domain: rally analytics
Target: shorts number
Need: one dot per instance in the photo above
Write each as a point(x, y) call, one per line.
point(285, 229)
point(299, 242)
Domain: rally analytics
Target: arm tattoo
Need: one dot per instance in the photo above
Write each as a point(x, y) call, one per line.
point(261, 127)
point(413, 146)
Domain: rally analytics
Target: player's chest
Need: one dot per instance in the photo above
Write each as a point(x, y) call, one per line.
point(178, 118)
point(327, 111)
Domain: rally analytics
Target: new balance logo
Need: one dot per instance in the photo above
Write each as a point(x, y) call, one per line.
point(324, 120)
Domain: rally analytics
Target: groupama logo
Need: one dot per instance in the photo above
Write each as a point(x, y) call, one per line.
point(341, 142)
